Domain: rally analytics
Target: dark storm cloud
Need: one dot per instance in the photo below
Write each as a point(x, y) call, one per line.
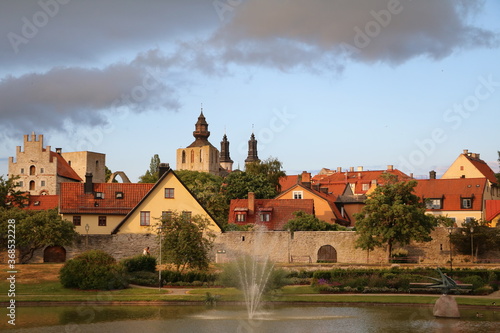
point(297, 33)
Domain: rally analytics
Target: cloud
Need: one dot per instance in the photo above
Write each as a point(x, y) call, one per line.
point(80, 95)
point(288, 33)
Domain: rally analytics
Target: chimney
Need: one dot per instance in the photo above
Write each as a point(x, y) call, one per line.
point(162, 169)
point(390, 167)
point(466, 151)
point(88, 187)
point(306, 179)
point(360, 168)
point(59, 151)
point(351, 169)
point(251, 203)
point(339, 169)
point(432, 174)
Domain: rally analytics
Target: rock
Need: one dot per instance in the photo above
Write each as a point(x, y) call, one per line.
point(446, 307)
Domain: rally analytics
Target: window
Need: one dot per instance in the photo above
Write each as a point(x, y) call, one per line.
point(32, 185)
point(102, 221)
point(22, 170)
point(265, 217)
point(297, 194)
point(186, 216)
point(145, 218)
point(42, 183)
point(366, 187)
point(42, 170)
point(466, 203)
point(32, 170)
point(169, 193)
point(241, 217)
point(183, 156)
point(433, 204)
point(166, 215)
point(77, 220)
point(119, 195)
point(20, 184)
point(99, 195)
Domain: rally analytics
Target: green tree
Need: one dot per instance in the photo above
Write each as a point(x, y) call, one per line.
point(151, 175)
point(238, 184)
point(9, 196)
point(207, 189)
point(271, 168)
point(186, 242)
point(108, 174)
point(36, 230)
point(308, 222)
point(477, 234)
point(393, 214)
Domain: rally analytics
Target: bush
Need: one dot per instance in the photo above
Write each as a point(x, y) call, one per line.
point(143, 278)
point(93, 269)
point(475, 280)
point(140, 263)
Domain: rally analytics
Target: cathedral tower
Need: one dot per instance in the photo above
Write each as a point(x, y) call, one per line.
point(252, 150)
point(225, 161)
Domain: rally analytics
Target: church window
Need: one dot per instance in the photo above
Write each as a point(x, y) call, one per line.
point(32, 170)
point(32, 185)
point(201, 155)
point(145, 217)
point(169, 193)
point(192, 156)
point(183, 156)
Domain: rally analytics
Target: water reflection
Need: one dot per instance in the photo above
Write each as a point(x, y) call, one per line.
point(275, 319)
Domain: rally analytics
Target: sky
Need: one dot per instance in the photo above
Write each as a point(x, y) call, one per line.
point(322, 84)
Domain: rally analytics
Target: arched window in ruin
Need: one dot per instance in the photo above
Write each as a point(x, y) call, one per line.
point(32, 170)
point(183, 156)
point(327, 253)
point(192, 156)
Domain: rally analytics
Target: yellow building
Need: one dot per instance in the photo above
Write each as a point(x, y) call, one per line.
point(168, 195)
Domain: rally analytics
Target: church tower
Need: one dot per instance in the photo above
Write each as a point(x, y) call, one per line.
point(200, 155)
point(225, 161)
point(252, 150)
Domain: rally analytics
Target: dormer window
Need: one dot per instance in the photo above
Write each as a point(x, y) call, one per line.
point(466, 203)
point(119, 195)
point(433, 204)
point(99, 195)
point(241, 217)
point(265, 217)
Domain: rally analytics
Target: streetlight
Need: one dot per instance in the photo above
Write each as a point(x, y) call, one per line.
point(160, 228)
point(450, 229)
point(472, 243)
point(87, 227)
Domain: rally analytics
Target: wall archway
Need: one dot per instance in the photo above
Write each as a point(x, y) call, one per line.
point(54, 254)
point(327, 253)
point(122, 175)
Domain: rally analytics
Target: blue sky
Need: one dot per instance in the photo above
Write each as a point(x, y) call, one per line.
point(321, 84)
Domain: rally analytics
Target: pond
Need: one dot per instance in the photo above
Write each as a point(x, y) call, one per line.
point(231, 318)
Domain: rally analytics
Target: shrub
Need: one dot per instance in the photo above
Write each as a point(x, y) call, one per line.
point(475, 280)
point(140, 263)
point(93, 269)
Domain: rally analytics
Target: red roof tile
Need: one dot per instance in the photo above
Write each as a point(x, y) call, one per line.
point(451, 191)
point(75, 201)
point(288, 181)
point(492, 209)
point(281, 211)
point(483, 167)
point(42, 202)
point(63, 168)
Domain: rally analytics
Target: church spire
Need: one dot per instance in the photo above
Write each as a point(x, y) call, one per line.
point(252, 150)
point(225, 160)
point(201, 132)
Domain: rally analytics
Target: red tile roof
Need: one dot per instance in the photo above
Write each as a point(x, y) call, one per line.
point(288, 181)
point(451, 191)
point(42, 202)
point(281, 211)
point(75, 201)
point(482, 166)
point(63, 168)
point(492, 209)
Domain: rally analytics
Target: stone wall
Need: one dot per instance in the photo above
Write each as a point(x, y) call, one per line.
point(280, 246)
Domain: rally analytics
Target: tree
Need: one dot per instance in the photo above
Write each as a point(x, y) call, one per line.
point(476, 233)
point(108, 174)
point(308, 222)
point(9, 196)
point(393, 214)
point(238, 184)
point(186, 242)
point(36, 230)
point(151, 175)
point(270, 168)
